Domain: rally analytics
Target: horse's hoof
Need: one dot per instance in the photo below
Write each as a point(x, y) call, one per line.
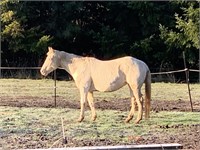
point(94, 118)
point(137, 121)
point(127, 120)
point(80, 119)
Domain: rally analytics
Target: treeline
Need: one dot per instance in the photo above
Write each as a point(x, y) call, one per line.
point(155, 32)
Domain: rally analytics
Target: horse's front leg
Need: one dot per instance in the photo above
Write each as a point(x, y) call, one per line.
point(91, 104)
point(83, 94)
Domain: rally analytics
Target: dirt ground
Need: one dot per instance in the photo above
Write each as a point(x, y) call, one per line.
point(122, 104)
point(188, 136)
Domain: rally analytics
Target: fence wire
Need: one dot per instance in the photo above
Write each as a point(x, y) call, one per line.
point(55, 91)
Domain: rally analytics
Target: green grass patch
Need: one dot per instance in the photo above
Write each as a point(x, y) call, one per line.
point(109, 125)
point(18, 122)
point(67, 89)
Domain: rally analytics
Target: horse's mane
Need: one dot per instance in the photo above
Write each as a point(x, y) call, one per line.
point(68, 56)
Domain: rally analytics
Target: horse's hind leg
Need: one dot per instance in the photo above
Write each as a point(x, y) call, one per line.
point(91, 104)
point(132, 111)
point(137, 94)
point(142, 101)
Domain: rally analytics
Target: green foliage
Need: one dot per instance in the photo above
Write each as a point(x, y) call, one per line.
point(185, 36)
point(188, 29)
point(7, 16)
point(13, 29)
point(107, 29)
point(109, 41)
point(43, 42)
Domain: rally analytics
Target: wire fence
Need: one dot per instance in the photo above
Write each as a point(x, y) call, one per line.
point(177, 71)
point(54, 77)
point(154, 73)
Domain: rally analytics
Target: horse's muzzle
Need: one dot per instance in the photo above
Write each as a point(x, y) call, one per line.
point(43, 72)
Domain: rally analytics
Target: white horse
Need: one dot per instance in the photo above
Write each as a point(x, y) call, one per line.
point(91, 74)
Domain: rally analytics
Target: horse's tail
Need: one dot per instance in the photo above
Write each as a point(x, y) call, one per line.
point(147, 94)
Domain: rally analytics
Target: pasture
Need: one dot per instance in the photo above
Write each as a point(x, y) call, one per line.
point(28, 118)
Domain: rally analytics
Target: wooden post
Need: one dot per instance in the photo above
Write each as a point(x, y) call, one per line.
point(55, 87)
point(63, 132)
point(187, 80)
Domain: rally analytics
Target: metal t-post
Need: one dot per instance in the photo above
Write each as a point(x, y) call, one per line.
point(0, 60)
point(199, 58)
point(0, 50)
point(199, 45)
point(55, 87)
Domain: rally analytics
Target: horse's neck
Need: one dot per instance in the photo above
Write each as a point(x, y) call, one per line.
point(69, 62)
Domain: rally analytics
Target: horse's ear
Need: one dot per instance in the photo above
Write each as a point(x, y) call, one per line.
point(51, 50)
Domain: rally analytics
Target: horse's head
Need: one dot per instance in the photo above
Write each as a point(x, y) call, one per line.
point(51, 62)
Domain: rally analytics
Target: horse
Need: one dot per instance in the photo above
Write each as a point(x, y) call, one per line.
point(91, 74)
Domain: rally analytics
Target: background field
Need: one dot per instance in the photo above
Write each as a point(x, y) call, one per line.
point(28, 118)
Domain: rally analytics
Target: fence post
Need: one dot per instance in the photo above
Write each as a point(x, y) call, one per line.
point(55, 87)
point(0, 59)
point(199, 53)
point(199, 47)
point(187, 80)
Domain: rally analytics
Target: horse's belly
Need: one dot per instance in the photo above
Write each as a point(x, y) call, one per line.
point(115, 86)
point(109, 85)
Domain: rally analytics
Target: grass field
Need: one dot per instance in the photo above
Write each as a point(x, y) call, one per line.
point(37, 127)
point(25, 126)
point(43, 88)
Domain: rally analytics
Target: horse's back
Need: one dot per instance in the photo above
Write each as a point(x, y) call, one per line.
point(113, 74)
point(106, 75)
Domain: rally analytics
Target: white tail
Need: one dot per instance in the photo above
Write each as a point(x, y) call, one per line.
point(147, 94)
